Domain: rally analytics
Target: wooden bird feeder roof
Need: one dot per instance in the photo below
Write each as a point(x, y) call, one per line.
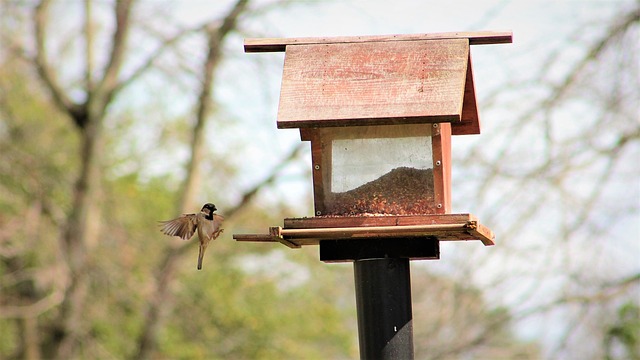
point(379, 80)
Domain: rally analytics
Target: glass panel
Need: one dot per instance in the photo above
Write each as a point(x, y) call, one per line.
point(379, 170)
point(360, 161)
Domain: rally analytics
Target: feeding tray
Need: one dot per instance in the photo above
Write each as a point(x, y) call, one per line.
point(299, 232)
point(421, 231)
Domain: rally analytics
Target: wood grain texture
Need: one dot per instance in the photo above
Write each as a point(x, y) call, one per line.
point(321, 171)
point(357, 221)
point(276, 233)
point(280, 44)
point(370, 231)
point(470, 124)
point(442, 173)
point(373, 83)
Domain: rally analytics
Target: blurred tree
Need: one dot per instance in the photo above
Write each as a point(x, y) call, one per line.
point(453, 321)
point(87, 115)
point(37, 164)
point(92, 244)
point(216, 32)
point(555, 182)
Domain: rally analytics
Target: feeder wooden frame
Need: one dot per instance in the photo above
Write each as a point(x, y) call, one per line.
point(441, 160)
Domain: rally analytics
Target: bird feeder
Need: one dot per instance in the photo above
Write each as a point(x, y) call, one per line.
point(379, 113)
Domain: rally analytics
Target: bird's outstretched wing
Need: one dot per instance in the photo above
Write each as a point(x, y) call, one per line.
point(217, 220)
point(183, 227)
point(217, 226)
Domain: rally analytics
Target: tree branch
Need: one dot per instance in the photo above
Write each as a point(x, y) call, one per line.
point(230, 21)
point(89, 36)
point(32, 310)
point(594, 51)
point(110, 79)
point(60, 98)
point(251, 193)
point(166, 44)
point(216, 36)
point(554, 98)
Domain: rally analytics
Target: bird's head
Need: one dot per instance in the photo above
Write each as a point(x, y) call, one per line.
point(208, 208)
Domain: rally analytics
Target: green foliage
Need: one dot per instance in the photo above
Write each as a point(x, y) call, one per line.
point(625, 333)
point(37, 146)
point(9, 337)
point(37, 168)
point(227, 314)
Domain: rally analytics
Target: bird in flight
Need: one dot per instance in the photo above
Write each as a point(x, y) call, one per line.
point(206, 223)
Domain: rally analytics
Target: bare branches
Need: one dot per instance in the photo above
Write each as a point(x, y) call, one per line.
point(118, 49)
point(98, 97)
point(47, 74)
point(33, 310)
point(166, 45)
point(273, 175)
point(595, 50)
point(216, 36)
point(482, 334)
point(555, 181)
point(608, 293)
point(230, 21)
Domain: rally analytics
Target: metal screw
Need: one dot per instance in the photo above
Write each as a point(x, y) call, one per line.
point(438, 163)
point(435, 125)
point(317, 167)
point(439, 206)
point(318, 213)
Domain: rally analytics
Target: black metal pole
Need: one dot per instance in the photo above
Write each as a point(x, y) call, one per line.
point(383, 301)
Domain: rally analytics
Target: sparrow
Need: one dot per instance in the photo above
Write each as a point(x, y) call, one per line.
point(206, 222)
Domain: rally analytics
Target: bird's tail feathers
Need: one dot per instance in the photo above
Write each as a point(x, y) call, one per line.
point(200, 256)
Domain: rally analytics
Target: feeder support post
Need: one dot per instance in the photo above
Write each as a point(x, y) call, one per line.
point(383, 302)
